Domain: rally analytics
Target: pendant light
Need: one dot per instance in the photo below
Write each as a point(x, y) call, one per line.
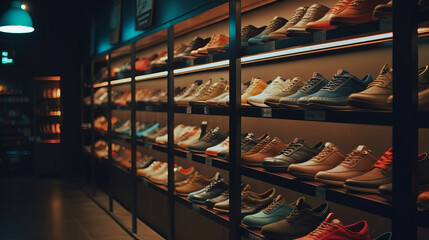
point(16, 20)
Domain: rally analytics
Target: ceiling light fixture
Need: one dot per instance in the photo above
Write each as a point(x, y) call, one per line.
point(16, 20)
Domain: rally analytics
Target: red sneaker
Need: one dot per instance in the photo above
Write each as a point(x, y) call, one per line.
point(358, 11)
point(325, 22)
point(332, 229)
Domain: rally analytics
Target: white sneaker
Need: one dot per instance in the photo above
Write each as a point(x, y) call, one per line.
point(189, 90)
point(161, 169)
point(189, 138)
point(221, 147)
point(274, 89)
point(164, 138)
point(198, 92)
point(143, 172)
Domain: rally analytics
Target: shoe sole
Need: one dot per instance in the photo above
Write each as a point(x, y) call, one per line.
point(252, 164)
point(197, 151)
point(382, 14)
point(302, 176)
point(368, 105)
point(360, 189)
point(271, 237)
point(272, 104)
point(198, 201)
point(290, 106)
point(330, 182)
point(275, 168)
point(317, 106)
point(221, 210)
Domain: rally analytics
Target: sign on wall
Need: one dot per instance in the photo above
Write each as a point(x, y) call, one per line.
point(144, 14)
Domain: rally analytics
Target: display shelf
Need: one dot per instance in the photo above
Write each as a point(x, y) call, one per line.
point(121, 137)
point(200, 109)
point(151, 107)
point(251, 234)
point(100, 133)
point(366, 202)
point(120, 107)
point(159, 188)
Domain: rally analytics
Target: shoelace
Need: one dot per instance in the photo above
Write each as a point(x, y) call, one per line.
point(310, 83)
point(310, 12)
point(246, 30)
point(289, 85)
point(335, 82)
point(290, 149)
point(272, 206)
point(353, 157)
point(208, 136)
point(337, 8)
point(293, 215)
point(379, 81)
point(324, 152)
point(357, 3)
point(211, 185)
point(297, 16)
point(211, 89)
point(384, 161)
point(273, 85)
point(268, 147)
point(322, 229)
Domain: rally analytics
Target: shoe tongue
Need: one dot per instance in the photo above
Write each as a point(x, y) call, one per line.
point(246, 188)
point(302, 204)
point(217, 176)
point(317, 75)
point(279, 198)
point(327, 144)
point(298, 140)
point(361, 148)
point(385, 69)
point(278, 79)
point(331, 219)
point(342, 72)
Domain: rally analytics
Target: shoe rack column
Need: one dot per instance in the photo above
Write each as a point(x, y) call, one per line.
point(405, 131)
point(133, 140)
point(170, 127)
point(82, 107)
point(109, 132)
point(234, 118)
point(92, 177)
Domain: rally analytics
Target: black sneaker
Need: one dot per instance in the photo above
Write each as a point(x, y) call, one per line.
point(300, 222)
point(212, 138)
point(214, 189)
point(296, 152)
point(222, 197)
point(196, 43)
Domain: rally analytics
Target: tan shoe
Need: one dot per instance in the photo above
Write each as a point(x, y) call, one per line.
point(258, 147)
point(272, 149)
point(196, 94)
point(281, 32)
point(213, 91)
point(195, 183)
point(257, 85)
point(216, 44)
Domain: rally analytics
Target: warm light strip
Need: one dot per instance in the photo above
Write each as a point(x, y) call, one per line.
point(119, 81)
point(213, 65)
point(102, 84)
point(48, 78)
point(151, 76)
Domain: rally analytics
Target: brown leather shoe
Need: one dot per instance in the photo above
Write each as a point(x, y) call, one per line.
point(358, 162)
point(327, 159)
point(195, 183)
point(423, 200)
point(258, 147)
point(270, 150)
point(359, 11)
point(216, 44)
point(325, 22)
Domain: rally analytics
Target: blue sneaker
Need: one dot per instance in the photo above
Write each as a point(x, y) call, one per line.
point(335, 94)
point(313, 85)
point(384, 236)
point(275, 212)
point(146, 130)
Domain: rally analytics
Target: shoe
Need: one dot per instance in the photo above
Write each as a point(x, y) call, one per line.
point(281, 32)
point(211, 139)
point(142, 64)
point(383, 10)
point(159, 171)
point(291, 87)
point(214, 101)
point(301, 221)
point(178, 49)
point(327, 159)
point(177, 132)
point(215, 89)
point(162, 178)
point(379, 175)
point(196, 94)
point(275, 24)
point(249, 141)
point(275, 212)
point(334, 95)
point(295, 152)
point(276, 87)
point(423, 200)
point(359, 11)
point(154, 166)
point(423, 88)
point(97, 94)
point(189, 138)
point(143, 161)
point(214, 189)
point(195, 183)
point(182, 175)
point(156, 62)
point(377, 93)
point(271, 149)
point(263, 141)
point(332, 228)
point(151, 136)
point(221, 147)
point(222, 197)
point(384, 236)
point(149, 129)
point(251, 202)
point(358, 162)
point(313, 85)
point(314, 13)
point(216, 44)
point(196, 43)
point(257, 85)
point(224, 102)
point(324, 23)
point(248, 32)
point(188, 91)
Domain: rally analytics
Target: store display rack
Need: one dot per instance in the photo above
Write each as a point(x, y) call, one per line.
point(405, 120)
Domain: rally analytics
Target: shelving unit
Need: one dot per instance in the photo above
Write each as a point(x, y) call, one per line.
point(367, 36)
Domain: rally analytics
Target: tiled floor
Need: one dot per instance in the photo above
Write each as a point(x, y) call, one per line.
point(47, 209)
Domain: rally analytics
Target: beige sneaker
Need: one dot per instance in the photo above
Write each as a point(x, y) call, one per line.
point(213, 91)
point(198, 92)
point(292, 86)
point(214, 101)
point(256, 87)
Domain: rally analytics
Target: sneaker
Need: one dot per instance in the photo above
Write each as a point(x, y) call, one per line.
point(151, 136)
point(151, 128)
point(276, 87)
point(224, 102)
point(257, 85)
point(162, 178)
point(154, 166)
point(195, 183)
point(275, 24)
point(271, 149)
point(383, 10)
point(359, 11)
point(296, 152)
point(214, 101)
point(301, 221)
point(198, 93)
point(358, 162)
point(281, 32)
point(275, 212)
point(291, 87)
point(196, 43)
point(212, 138)
point(332, 228)
point(377, 93)
point(159, 171)
point(189, 138)
point(177, 132)
point(182, 175)
point(314, 13)
point(325, 22)
point(216, 44)
point(327, 159)
point(188, 91)
point(263, 141)
point(214, 189)
point(213, 91)
point(248, 32)
point(379, 175)
point(334, 95)
point(221, 147)
point(313, 85)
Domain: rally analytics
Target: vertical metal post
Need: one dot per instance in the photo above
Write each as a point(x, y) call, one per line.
point(109, 132)
point(234, 118)
point(92, 177)
point(82, 141)
point(133, 140)
point(405, 131)
point(170, 127)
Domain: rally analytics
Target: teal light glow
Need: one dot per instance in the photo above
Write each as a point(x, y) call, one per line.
point(16, 20)
point(6, 60)
point(4, 54)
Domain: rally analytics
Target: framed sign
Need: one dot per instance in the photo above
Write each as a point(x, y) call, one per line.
point(115, 22)
point(144, 14)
